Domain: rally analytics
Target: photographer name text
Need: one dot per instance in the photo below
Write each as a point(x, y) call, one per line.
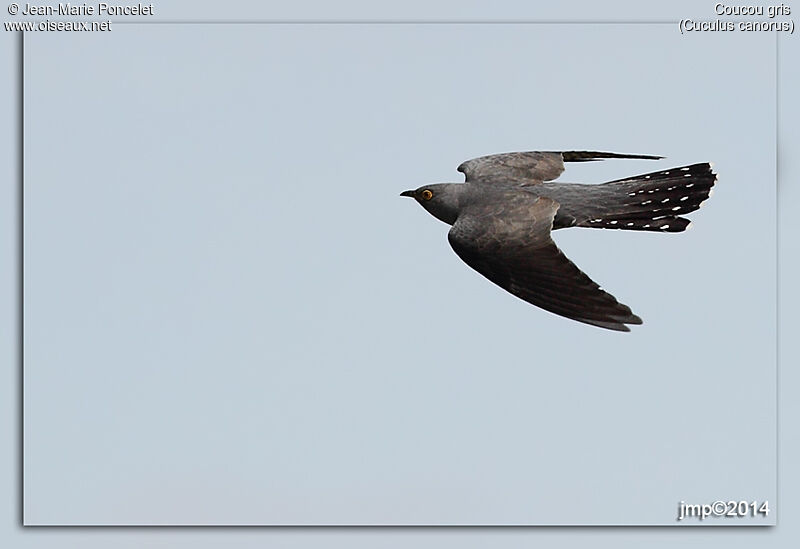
point(102, 8)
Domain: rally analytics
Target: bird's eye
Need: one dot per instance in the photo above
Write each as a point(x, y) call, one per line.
point(426, 194)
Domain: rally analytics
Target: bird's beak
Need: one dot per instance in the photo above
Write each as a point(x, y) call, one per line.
point(407, 193)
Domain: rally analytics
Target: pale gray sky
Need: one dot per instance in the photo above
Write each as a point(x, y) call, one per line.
point(232, 318)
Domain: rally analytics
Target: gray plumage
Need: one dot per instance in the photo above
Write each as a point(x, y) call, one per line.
point(504, 212)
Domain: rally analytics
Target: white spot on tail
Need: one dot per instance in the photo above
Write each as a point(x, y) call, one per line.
point(647, 177)
point(665, 201)
point(646, 202)
point(688, 175)
point(613, 222)
point(676, 208)
point(689, 185)
point(664, 227)
point(630, 224)
point(684, 169)
point(684, 198)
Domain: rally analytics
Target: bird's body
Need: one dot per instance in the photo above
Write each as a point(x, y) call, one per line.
point(504, 212)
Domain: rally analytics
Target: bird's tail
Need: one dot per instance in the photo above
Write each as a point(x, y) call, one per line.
point(653, 201)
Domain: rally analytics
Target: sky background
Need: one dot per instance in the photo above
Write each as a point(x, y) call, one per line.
point(13, 535)
point(232, 318)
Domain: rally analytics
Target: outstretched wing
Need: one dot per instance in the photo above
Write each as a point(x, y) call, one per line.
point(509, 243)
point(530, 167)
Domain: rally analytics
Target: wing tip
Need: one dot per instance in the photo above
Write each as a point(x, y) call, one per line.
point(591, 156)
point(617, 324)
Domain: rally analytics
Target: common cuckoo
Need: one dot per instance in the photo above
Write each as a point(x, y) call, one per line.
point(504, 212)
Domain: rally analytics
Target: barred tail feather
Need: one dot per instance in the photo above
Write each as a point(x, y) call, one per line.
point(654, 201)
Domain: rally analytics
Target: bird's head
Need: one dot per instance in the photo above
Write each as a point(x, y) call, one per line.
point(442, 200)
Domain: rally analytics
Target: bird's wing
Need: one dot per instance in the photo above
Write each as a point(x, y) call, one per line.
point(509, 243)
point(530, 167)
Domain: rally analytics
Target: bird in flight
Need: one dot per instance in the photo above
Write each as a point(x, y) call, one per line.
point(504, 212)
